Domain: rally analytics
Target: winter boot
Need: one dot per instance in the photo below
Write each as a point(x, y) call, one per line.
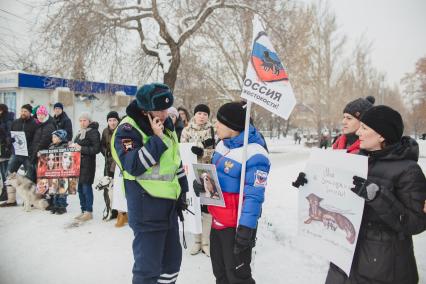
point(7, 204)
point(79, 216)
point(196, 248)
point(61, 210)
point(3, 195)
point(86, 216)
point(205, 236)
point(114, 214)
point(51, 206)
point(11, 197)
point(121, 219)
point(53, 209)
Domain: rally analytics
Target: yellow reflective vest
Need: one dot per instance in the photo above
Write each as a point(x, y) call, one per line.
point(159, 180)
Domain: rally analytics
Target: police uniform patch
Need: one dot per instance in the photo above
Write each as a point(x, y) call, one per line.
point(127, 127)
point(260, 178)
point(228, 166)
point(127, 144)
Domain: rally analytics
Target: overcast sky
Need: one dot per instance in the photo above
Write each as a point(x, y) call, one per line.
point(397, 29)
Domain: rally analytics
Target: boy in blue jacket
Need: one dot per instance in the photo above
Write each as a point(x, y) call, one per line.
point(232, 240)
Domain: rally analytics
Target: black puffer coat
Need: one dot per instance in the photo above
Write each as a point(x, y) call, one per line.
point(90, 146)
point(6, 119)
point(385, 252)
point(64, 122)
point(42, 137)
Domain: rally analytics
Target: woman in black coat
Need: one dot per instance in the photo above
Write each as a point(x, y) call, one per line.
point(88, 141)
point(394, 190)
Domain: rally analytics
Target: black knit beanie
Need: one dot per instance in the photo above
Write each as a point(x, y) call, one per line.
point(113, 114)
point(232, 115)
point(58, 105)
point(359, 106)
point(202, 108)
point(28, 107)
point(385, 121)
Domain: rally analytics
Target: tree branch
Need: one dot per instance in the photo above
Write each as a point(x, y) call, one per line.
point(204, 14)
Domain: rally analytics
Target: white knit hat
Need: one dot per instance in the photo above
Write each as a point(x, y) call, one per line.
point(85, 115)
point(173, 110)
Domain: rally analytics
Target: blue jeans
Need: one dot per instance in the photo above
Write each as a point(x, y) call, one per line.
point(15, 163)
point(85, 194)
point(60, 200)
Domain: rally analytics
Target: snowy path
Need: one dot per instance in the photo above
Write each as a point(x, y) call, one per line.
point(36, 248)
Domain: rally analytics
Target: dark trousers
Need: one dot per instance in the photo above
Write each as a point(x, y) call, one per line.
point(158, 256)
point(15, 163)
point(3, 169)
point(229, 268)
point(60, 200)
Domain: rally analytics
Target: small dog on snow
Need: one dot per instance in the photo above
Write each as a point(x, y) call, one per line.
point(26, 189)
point(106, 184)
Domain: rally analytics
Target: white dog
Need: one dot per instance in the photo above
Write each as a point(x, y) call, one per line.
point(26, 189)
point(106, 184)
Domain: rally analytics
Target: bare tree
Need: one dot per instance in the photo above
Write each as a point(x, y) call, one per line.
point(95, 29)
point(414, 90)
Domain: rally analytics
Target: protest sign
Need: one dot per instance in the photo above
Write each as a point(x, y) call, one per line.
point(329, 212)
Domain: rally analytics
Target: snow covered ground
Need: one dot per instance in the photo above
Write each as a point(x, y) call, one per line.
point(37, 247)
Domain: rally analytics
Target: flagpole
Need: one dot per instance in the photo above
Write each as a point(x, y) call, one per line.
point(244, 158)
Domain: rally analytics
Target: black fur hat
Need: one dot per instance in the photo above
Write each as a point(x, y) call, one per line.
point(202, 108)
point(154, 97)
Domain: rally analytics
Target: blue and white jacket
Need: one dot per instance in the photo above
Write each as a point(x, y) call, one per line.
point(228, 158)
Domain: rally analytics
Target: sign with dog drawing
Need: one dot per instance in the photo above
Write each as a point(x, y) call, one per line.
point(58, 171)
point(207, 176)
point(20, 143)
point(192, 221)
point(329, 212)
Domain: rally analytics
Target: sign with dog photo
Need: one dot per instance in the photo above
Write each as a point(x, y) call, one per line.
point(20, 143)
point(207, 176)
point(329, 212)
point(58, 171)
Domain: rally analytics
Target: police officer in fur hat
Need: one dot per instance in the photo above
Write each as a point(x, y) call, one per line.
point(145, 147)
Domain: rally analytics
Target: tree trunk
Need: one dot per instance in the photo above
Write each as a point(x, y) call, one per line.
point(171, 75)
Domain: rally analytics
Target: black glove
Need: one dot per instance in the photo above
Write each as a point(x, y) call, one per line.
point(181, 205)
point(198, 187)
point(197, 151)
point(208, 143)
point(244, 239)
point(364, 188)
point(300, 181)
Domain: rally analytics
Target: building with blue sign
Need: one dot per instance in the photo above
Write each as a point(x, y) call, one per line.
point(18, 88)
